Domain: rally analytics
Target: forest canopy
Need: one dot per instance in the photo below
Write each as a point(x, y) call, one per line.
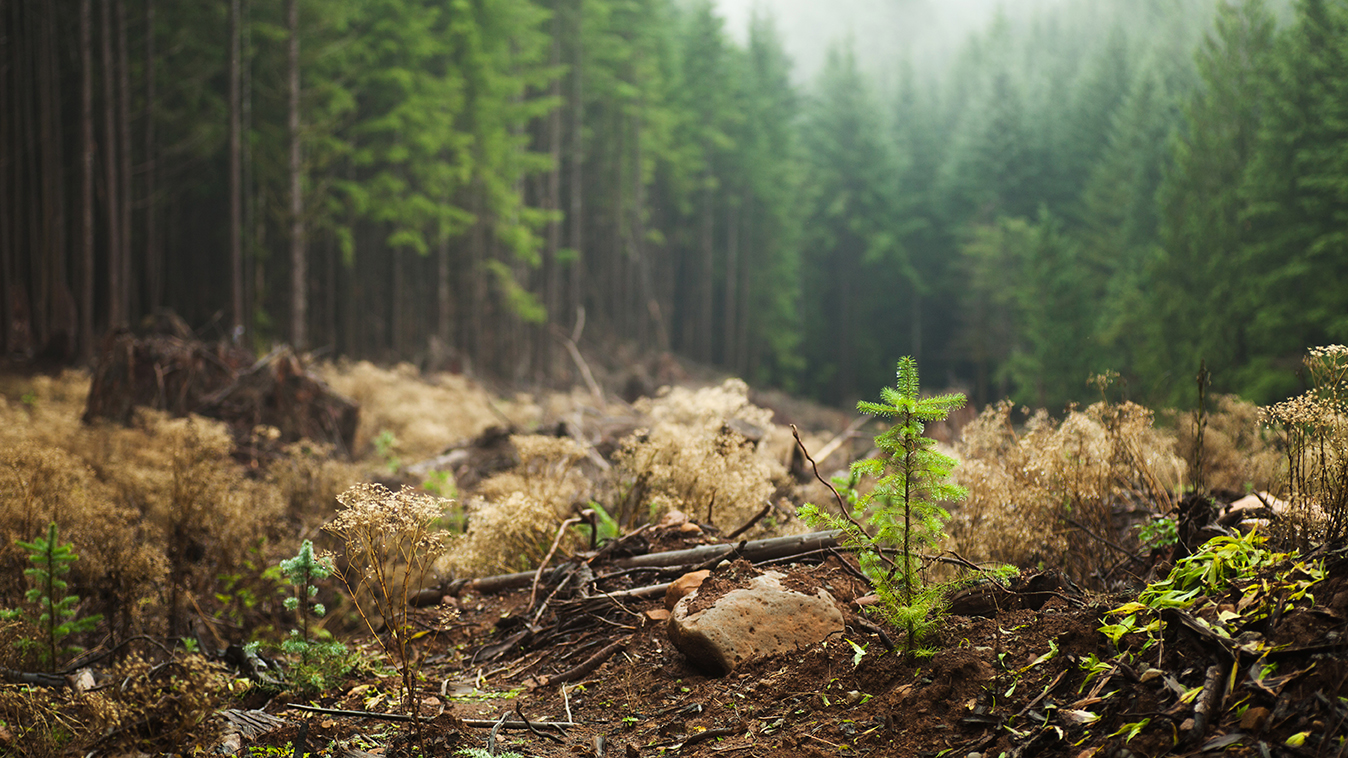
point(1094, 185)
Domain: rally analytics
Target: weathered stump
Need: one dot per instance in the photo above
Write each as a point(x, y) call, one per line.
point(182, 376)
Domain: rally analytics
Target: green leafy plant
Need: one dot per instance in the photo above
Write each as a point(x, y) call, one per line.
point(57, 612)
point(902, 509)
point(390, 546)
point(384, 446)
point(319, 660)
point(1160, 532)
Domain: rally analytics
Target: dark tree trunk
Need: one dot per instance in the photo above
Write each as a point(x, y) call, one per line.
point(552, 285)
point(7, 170)
point(154, 262)
point(730, 319)
point(298, 274)
point(577, 158)
point(86, 182)
point(704, 284)
point(235, 178)
point(117, 306)
point(124, 133)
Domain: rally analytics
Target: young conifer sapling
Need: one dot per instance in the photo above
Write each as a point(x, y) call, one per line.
point(57, 613)
point(903, 509)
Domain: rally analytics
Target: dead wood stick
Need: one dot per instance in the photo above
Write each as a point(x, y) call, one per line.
point(767, 507)
point(477, 723)
point(595, 601)
point(41, 680)
point(533, 590)
point(1210, 702)
point(585, 668)
point(570, 343)
point(832, 445)
point(532, 728)
point(716, 559)
point(842, 507)
point(756, 550)
point(712, 734)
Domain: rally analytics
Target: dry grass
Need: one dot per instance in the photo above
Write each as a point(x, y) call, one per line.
point(514, 516)
point(1239, 454)
point(159, 512)
point(1056, 493)
point(692, 460)
point(1313, 428)
point(425, 414)
point(150, 709)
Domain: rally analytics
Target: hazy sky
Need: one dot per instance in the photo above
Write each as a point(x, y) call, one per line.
point(884, 31)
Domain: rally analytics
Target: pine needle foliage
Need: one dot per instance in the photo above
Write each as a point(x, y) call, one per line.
point(903, 509)
point(57, 612)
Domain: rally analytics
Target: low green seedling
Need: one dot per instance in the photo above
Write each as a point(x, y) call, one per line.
point(57, 613)
point(320, 659)
point(903, 510)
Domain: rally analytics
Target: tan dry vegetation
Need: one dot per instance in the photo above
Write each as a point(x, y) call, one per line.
point(1047, 493)
point(425, 414)
point(692, 459)
point(159, 513)
point(1239, 453)
point(513, 516)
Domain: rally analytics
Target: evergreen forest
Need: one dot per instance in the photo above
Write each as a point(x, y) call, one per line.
point(1127, 185)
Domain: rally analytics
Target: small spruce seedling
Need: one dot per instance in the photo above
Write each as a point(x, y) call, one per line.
point(903, 509)
point(319, 661)
point(57, 613)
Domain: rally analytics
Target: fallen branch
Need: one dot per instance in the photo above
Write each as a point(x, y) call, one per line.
point(585, 668)
point(842, 506)
point(1210, 702)
point(767, 508)
point(400, 717)
point(757, 550)
point(561, 530)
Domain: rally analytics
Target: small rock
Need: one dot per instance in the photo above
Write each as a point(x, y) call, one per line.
point(1254, 719)
point(762, 619)
point(685, 584)
point(657, 614)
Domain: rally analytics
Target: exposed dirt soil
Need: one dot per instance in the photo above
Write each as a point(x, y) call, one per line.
point(1017, 682)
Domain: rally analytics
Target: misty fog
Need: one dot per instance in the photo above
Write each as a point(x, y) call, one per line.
point(885, 33)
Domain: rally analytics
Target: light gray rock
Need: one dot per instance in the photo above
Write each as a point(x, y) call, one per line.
point(763, 618)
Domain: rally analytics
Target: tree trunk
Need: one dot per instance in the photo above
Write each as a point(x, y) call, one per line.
point(298, 275)
point(729, 351)
point(117, 305)
point(577, 158)
point(154, 262)
point(7, 170)
point(705, 284)
point(235, 178)
point(124, 132)
point(86, 182)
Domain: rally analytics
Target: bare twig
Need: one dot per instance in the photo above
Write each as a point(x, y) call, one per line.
point(834, 444)
point(842, 506)
point(570, 343)
point(767, 507)
point(586, 667)
point(520, 713)
point(533, 591)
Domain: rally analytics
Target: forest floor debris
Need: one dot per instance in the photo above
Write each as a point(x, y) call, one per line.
point(576, 658)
